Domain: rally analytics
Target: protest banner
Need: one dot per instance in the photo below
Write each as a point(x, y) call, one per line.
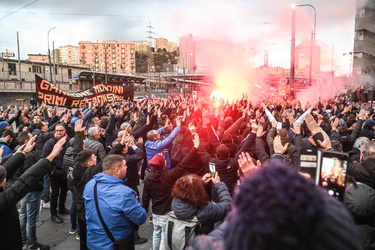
point(52, 95)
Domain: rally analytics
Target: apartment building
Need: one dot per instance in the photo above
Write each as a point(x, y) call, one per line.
point(364, 42)
point(108, 56)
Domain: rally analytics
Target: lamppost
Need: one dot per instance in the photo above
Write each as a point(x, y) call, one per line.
point(312, 36)
point(331, 52)
point(351, 62)
point(49, 54)
point(292, 53)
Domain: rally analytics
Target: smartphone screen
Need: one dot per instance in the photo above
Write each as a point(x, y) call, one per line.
point(309, 163)
point(212, 169)
point(333, 173)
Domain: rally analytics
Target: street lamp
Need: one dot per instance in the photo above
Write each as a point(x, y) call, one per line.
point(292, 53)
point(49, 53)
point(351, 62)
point(312, 38)
point(331, 52)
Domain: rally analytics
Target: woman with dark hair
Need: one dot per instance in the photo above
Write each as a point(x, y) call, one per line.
point(191, 199)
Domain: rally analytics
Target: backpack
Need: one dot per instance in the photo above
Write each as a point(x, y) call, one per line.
point(179, 233)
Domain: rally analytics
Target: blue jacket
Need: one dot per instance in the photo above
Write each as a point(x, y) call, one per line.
point(154, 147)
point(7, 151)
point(118, 206)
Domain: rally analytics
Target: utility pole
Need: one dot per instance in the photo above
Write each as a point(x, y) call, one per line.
point(49, 55)
point(19, 60)
point(292, 53)
point(150, 58)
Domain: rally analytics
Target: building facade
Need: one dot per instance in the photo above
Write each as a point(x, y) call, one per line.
point(37, 64)
point(68, 54)
point(108, 56)
point(364, 43)
point(303, 54)
point(161, 43)
point(172, 47)
point(142, 47)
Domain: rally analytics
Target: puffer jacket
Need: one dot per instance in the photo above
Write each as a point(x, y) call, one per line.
point(68, 162)
point(97, 147)
point(207, 215)
point(119, 208)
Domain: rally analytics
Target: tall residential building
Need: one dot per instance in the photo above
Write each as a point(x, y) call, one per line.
point(200, 55)
point(108, 56)
point(142, 46)
point(68, 54)
point(187, 53)
point(172, 47)
point(303, 52)
point(364, 42)
point(161, 43)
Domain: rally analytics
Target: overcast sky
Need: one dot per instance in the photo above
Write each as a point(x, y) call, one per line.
point(255, 25)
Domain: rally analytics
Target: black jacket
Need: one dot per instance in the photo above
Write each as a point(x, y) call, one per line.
point(9, 222)
point(58, 161)
point(363, 172)
point(158, 185)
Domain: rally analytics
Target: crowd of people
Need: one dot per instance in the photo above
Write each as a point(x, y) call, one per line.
point(255, 198)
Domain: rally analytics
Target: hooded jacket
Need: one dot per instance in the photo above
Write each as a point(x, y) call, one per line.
point(118, 206)
point(207, 215)
point(158, 185)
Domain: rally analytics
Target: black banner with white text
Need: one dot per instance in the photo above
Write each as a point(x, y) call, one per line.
point(51, 95)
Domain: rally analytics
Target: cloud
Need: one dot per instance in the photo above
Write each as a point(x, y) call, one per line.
point(260, 25)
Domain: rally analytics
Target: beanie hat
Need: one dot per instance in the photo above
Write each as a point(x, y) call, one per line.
point(3, 124)
point(290, 213)
point(157, 162)
point(369, 123)
point(3, 173)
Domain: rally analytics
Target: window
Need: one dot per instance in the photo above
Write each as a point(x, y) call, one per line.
point(70, 73)
point(12, 69)
point(361, 13)
point(37, 69)
point(358, 55)
point(359, 35)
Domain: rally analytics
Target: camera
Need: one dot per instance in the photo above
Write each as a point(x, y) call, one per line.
point(212, 169)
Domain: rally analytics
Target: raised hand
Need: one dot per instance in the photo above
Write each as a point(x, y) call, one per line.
point(278, 146)
point(78, 126)
point(246, 164)
point(311, 124)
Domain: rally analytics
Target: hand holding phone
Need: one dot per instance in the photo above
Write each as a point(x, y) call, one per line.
point(212, 169)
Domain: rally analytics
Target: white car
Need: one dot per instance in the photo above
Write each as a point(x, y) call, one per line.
point(139, 97)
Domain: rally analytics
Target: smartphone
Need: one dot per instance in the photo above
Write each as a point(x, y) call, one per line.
point(310, 163)
point(333, 173)
point(212, 169)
